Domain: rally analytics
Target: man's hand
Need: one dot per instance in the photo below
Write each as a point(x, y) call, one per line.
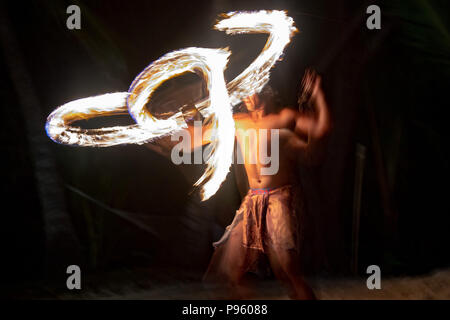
point(309, 88)
point(191, 114)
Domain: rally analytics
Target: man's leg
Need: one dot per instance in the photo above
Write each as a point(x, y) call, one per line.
point(286, 266)
point(229, 264)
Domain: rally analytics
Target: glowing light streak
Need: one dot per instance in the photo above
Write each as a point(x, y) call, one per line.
point(211, 63)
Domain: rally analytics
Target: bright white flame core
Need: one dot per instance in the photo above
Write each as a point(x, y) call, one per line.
point(211, 62)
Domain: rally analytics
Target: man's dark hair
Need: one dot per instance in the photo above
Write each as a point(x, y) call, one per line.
point(270, 98)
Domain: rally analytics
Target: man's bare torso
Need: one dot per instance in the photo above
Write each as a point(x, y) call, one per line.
point(284, 123)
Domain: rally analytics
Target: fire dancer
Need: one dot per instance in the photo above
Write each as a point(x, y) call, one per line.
point(268, 225)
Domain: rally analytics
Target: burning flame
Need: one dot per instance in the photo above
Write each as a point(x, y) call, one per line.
point(218, 107)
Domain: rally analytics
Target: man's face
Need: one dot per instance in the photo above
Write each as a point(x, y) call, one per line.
point(252, 102)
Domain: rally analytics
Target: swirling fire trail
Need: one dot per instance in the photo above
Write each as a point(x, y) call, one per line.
point(217, 108)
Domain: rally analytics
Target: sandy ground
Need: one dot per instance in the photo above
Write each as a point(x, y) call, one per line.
point(435, 285)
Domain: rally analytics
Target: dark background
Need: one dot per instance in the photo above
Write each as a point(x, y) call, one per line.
point(126, 207)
